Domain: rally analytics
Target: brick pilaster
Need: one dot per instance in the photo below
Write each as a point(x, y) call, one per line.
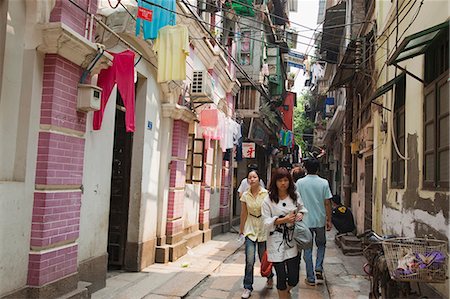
point(59, 172)
point(224, 211)
point(177, 182)
point(205, 191)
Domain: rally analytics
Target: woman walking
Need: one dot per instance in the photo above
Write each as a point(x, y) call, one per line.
point(253, 229)
point(281, 208)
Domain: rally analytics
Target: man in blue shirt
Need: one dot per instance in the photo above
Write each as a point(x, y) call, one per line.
point(316, 195)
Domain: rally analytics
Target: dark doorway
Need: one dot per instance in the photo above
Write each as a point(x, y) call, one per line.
point(120, 189)
point(368, 175)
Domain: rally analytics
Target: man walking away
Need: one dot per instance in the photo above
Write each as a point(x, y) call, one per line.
point(316, 195)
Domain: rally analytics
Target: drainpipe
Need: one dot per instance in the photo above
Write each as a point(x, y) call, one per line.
point(86, 25)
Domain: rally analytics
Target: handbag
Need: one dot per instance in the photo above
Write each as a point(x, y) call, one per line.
point(302, 236)
point(266, 266)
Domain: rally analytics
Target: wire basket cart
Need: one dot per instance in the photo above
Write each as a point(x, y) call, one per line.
point(416, 259)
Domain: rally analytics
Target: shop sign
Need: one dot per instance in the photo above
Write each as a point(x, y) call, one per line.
point(248, 150)
point(145, 14)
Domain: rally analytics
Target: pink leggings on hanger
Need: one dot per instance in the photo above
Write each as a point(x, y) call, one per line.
point(122, 74)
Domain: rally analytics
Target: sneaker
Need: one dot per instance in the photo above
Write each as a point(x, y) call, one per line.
point(310, 283)
point(246, 294)
point(319, 277)
point(269, 283)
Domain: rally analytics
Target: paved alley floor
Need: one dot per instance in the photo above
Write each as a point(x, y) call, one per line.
point(215, 270)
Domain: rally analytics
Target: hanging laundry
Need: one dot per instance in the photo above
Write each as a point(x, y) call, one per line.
point(172, 47)
point(286, 138)
point(227, 155)
point(281, 137)
point(161, 17)
point(289, 138)
point(231, 131)
point(209, 118)
point(239, 154)
point(122, 74)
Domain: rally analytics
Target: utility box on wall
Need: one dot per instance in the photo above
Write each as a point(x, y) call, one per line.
point(89, 97)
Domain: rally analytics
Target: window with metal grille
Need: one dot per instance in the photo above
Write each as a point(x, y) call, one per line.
point(194, 162)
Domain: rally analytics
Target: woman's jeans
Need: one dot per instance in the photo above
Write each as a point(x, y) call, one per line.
point(250, 248)
point(320, 239)
point(288, 272)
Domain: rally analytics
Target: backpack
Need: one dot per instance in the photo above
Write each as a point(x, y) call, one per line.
point(302, 236)
point(266, 266)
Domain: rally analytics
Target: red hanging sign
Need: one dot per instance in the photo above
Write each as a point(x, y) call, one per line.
point(145, 14)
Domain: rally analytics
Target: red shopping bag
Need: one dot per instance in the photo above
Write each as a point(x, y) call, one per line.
point(266, 266)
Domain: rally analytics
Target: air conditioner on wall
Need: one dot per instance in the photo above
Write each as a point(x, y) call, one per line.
point(201, 87)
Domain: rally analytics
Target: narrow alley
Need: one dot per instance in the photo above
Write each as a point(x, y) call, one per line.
point(215, 270)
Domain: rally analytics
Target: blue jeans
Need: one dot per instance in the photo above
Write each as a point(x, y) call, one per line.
point(320, 239)
point(250, 248)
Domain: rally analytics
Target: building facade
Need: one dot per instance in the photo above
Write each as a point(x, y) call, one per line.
point(390, 90)
point(78, 201)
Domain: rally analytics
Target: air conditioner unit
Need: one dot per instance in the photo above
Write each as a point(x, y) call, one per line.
point(201, 87)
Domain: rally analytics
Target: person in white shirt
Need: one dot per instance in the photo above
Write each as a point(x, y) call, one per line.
point(244, 186)
point(280, 210)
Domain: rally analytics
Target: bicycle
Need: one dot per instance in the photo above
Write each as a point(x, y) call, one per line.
point(385, 253)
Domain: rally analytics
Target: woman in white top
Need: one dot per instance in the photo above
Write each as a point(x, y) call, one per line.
point(253, 229)
point(281, 208)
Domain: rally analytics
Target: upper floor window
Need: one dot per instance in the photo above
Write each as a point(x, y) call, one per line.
point(397, 163)
point(436, 115)
point(245, 48)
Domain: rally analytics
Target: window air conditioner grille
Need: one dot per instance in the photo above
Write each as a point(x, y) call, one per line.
point(197, 82)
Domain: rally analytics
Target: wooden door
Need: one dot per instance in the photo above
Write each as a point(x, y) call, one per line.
point(120, 189)
point(368, 175)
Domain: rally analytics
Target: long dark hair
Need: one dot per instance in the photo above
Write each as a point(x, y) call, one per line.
point(277, 174)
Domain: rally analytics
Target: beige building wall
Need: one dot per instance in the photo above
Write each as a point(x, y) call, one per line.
point(411, 211)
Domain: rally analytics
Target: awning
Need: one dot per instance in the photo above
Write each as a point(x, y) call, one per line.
point(417, 44)
point(333, 30)
point(387, 86)
point(346, 69)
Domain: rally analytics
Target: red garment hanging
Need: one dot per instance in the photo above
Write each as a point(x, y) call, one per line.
point(122, 74)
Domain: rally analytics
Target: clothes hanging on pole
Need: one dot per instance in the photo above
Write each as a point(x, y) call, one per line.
point(161, 17)
point(172, 47)
point(122, 74)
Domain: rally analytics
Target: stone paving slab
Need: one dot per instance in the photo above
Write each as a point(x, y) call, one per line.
point(215, 271)
point(172, 280)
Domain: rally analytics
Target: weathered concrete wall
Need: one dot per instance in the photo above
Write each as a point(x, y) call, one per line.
point(410, 211)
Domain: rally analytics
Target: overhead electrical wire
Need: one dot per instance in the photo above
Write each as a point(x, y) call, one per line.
point(238, 66)
point(258, 21)
point(221, 28)
point(393, 49)
point(106, 27)
point(387, 37)
point(393, 30)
